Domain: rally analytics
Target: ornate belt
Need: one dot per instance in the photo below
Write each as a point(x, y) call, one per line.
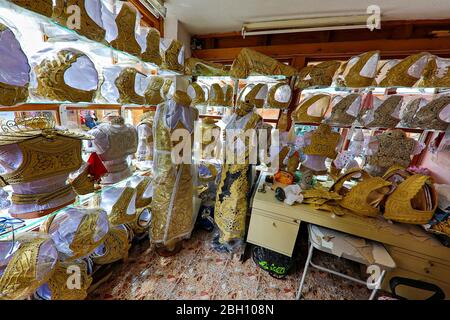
point(41, 198)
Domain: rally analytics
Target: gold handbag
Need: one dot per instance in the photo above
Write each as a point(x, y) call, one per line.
point(301, 115)
point(126, 39)
point(88, 27)
point(152, 54)
point(364, 198)
point(44, 7)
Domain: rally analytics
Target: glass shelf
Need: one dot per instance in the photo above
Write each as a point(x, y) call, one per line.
point(39, 34)
point(31, 224)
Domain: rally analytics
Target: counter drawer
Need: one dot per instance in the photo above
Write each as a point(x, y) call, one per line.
point(276, 234)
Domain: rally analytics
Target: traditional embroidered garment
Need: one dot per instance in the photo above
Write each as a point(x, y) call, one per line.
point(171, 57)
point(436, 74)
point(197, 93)
point(409, 112)
point(345, 111)
point(125, 83)
point(429, 117)
point(91, 25)
point(15, 70)
point(152, 53)
point(209, 132)
point(68, 76)
point(253, 95)
point(172, 205)
point(234, 186)
point(44, 7)
point(114, 142)
point(318, 103)
point(144, 195)
point(319, 75)
point(364, 198)
point(77, 232)
point(360, 71)
point(115, 247)
point(126, 22)
point(382, 116)
point(153, 94)
point(413, 201)
point(318, 145)
point(145, 136)
point(36, 160)
point(279, 96)
point(252, 62)
point(406, 72)
point(26, 265)
point(393, 147)
point(199, 67)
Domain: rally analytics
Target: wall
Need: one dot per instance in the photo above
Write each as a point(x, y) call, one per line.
point(439, 165)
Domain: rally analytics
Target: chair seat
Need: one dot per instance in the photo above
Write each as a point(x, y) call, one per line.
point(350, 247)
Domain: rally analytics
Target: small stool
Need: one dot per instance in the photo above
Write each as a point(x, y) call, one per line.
point(349, 247)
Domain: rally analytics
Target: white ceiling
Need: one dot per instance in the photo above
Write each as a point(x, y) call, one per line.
point(215, 16)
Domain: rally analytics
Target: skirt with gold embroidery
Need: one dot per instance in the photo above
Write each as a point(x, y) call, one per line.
point(232, 201)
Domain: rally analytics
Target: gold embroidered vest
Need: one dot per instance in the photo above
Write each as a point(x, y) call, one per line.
point(44, 7)
point(383, 114)
point(50, 79)
point(317, 75)
point(126, 22)
point(409, 113)
point(88, 27)
point(125, 85)
point(428, 116)
point(116, 246)
point(413, 201)
point(170, 57)
point(20, 279)
point(323, 142)
point(365, 197)
point(252, 62)
point(430, 77)
point(152, 53)
point(398, 75)
point(273, 102)
point(153, 92)
point(353, 78)
point(339, 113)
point(394, 148)
point(301, 112)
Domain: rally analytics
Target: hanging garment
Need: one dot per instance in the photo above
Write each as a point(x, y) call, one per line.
point(114, 142)
point(173, 216)
point(36, 160)
point(14, 69)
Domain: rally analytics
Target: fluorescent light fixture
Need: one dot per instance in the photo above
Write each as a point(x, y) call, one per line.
point(156, 7)
point(305, 25)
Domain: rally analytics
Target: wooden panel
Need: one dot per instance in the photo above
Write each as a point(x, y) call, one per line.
point(274, 234)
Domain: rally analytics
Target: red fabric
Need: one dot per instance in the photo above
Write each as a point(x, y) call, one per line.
point(96, 167)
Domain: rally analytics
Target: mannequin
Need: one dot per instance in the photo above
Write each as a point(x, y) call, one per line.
point(114, 141)
point(145, 136)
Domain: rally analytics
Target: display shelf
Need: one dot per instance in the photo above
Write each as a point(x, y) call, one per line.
point(33, 224)
point(41, 32)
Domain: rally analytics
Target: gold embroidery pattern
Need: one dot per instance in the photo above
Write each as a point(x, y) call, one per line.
point(59, 280)
point(83, 241)
point(125, 85)
point(399, 204)
point(394, 149)
point(142, 202)
point(383, 115)
point(300, 114)
point(216, 96)
point(339, 113)
point(152, 53)
point(126, 22)
point(153, 91)
point(272, 102)
point(398, 75)
point(170, 57)
point(430, 77)
point(199, 94)
point(428, 116)
point(320, 75)
point(117, 244)
point(354, 79)
point(410, 112)
point(199, 67)
point(50, 79)
point(323, 142)
point(118, 213)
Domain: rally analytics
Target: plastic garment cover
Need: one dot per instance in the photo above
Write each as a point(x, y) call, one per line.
point(90, 19)
point(115, 247)
point(62, 284)
point(26, 264)
point(234, 186)
point(404, 73)
point(250, 62)
point(114, 143)
point(44, 7)
point(172, 205)
point(77, 232)
point(359, 71)
point(65, 75)
point(14, 69)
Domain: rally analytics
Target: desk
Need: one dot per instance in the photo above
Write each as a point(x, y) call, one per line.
point(418, 254)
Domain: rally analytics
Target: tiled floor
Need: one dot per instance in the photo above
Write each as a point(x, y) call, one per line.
point(198, 272)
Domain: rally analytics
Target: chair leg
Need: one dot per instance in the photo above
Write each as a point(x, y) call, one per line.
point(305, 270)
point(378, 285)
